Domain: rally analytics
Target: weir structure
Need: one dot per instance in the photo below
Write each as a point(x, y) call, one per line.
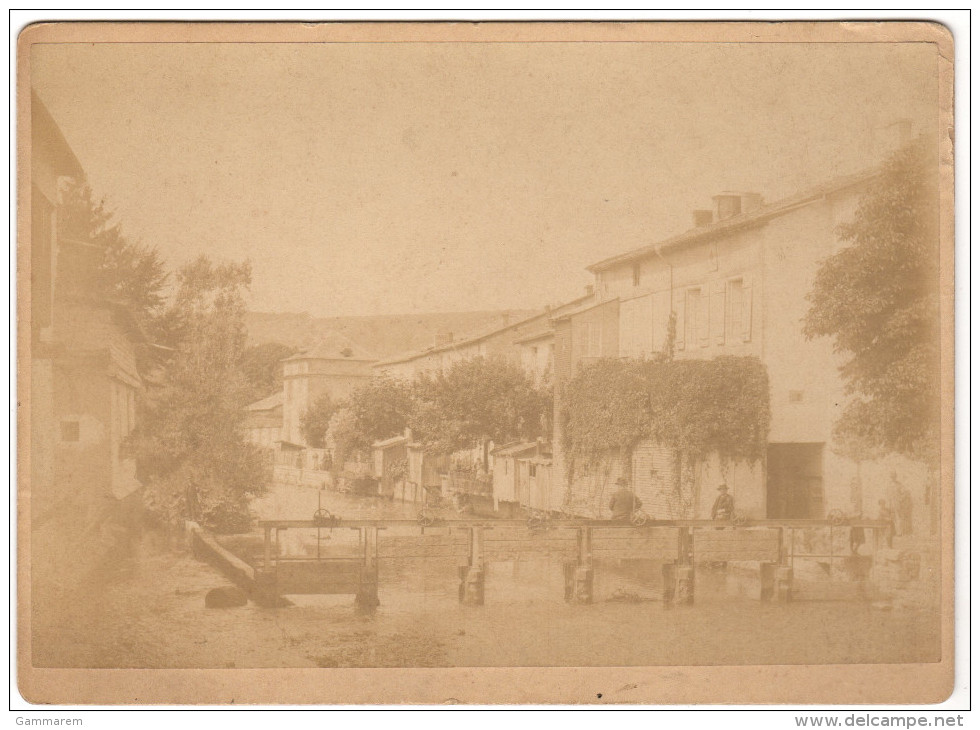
point(679, 545)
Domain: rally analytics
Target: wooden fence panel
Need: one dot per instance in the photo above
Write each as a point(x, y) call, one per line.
point(517, 542)
point(714, 545)
point(650, 543)
point(443, 544)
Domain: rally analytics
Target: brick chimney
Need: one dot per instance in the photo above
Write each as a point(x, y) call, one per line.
point(727, 205)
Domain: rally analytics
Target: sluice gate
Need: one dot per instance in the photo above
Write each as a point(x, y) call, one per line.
point(578, 544)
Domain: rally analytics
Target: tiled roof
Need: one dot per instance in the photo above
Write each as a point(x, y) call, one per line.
point(752, 218)
point(334, 346)
point(473, 339)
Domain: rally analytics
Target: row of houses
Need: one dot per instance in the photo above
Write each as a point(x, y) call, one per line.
point(736, 282)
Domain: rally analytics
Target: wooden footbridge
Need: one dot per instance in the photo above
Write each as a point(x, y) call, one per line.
point(679, 545)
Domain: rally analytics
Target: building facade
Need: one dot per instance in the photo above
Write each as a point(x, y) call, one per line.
point(84, 491)
point(335, 366)
point(737, 284)
point(526, 342)
point(264, 421)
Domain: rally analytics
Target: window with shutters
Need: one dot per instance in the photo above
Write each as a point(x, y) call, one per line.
point(595, 340)
point(680, 307)
point(692, 315)
point(660, 306)
point(590, 339)
point(704, 318)
point(734, 310)
point(627, 317)
point(718, 312)
point(739, 321)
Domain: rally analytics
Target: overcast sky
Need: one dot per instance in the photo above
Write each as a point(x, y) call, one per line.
point(412, 177)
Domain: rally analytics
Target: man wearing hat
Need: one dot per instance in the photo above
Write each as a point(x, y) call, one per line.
point(624, 503)
point(724, 506)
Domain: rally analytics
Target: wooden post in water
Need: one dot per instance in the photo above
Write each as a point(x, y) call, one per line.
point(473, 586)
point(767, 581)
point(584, 573)
point(367, 591)
point(266, 590)
point(783, 590)
point(670, 582)
point(684, 593)
point(679, 576)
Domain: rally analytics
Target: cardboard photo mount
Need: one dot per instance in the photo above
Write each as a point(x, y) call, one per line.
point(661, 685)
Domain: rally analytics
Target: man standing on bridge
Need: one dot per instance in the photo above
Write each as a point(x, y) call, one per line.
point(624, 502)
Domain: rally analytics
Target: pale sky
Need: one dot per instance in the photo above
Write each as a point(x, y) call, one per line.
point(394, 178)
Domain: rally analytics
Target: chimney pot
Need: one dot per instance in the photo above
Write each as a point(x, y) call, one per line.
point(727, 205)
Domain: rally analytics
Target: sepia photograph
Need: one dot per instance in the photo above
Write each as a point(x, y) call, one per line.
point(516, 363)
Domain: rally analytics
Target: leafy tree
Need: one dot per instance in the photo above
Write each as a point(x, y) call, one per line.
point(316, 420)
point(377, 410)
point(479, 400)
point(381, 408)
point(190, 442)
point(262, 365)
point(343, 435)
point(878, 299)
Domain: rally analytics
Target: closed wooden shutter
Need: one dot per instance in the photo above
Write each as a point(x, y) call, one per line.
point(718, 312)
point(644, 331)
point(627, 325)
point(681, 328)
point(746, 309)
point(704, 318)
point(659, 315)
point(595, 341)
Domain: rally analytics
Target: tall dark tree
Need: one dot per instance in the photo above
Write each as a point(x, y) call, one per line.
point(878, 299)
point(190, 441)
point(316, 420)
point(118, 269)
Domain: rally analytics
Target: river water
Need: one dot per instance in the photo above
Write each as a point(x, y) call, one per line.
point(155, 615)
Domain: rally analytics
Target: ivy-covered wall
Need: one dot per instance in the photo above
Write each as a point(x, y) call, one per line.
point(672, 428)
point(694, 406)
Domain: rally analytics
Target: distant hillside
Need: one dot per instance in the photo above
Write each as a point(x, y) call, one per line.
point(385, 335)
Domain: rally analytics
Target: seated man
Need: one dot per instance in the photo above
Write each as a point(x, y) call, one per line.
point(624, 502)
point(724, 506)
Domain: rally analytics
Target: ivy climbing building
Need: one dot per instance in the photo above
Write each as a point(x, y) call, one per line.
point(731, 290)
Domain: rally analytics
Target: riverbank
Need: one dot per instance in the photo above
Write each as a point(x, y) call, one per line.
point(154, 616)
